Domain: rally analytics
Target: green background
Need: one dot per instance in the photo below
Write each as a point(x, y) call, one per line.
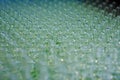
point(58, 40)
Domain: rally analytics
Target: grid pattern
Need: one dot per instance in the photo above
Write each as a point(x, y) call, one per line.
point(57, 40)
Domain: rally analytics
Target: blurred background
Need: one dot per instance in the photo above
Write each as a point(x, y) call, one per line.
point(59, 40)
